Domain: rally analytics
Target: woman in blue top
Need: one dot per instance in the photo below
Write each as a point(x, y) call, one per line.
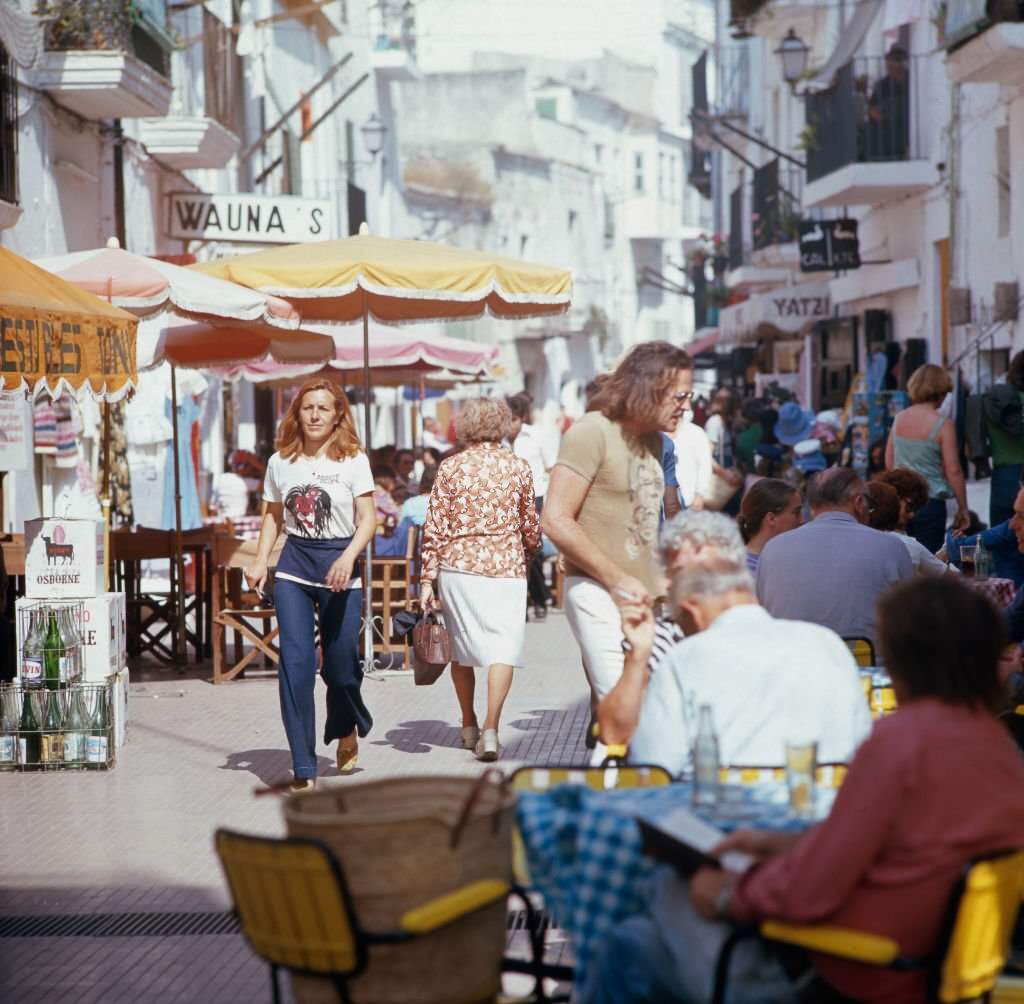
point(924, 441)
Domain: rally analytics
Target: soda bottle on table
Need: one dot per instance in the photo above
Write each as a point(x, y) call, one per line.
point(32, 652)
point(97, 741)
point(705, 760)
point(8, 729)
point(29, 734)
point(51, 745)
point(53, 654)
point(76, 726)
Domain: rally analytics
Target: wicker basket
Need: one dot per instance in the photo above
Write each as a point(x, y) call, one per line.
point(402, 842)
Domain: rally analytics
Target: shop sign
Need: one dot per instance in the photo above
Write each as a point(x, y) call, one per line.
point(261, 219)
point(829, 245)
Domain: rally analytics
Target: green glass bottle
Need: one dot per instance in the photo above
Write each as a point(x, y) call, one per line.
point(8, 729)
point(29, 735)
point(97, 742)
point(51, 745)
point(76, 728)
point(53, 653)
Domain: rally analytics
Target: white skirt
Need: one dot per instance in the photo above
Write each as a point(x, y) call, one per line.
point(485, 617)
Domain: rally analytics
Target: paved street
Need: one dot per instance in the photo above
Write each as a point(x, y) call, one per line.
point(138, 840)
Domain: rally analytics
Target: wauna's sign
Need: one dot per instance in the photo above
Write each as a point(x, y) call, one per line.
point(262, 219)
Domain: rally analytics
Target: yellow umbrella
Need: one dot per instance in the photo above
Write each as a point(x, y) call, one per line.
point(396, 281)
point(57, 337)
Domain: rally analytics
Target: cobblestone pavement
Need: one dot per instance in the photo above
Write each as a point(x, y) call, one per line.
point(139, 838)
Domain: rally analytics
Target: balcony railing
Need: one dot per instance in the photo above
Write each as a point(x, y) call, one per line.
point(871, 114)
point(737, 234)
point(131, 26)
point(223, 75)
point(8, 129)
point(776, 205)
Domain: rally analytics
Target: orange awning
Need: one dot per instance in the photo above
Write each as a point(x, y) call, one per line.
point(58, 337)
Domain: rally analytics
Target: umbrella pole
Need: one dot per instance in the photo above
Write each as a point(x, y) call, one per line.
point(368, 661)
point(105, 499)
point(179, 563)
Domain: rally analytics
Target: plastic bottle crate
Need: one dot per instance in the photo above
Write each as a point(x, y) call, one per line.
point(49, 753)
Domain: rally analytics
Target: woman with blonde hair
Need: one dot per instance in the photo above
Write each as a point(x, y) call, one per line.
point(319, 490)
point(482, 527)
point(924, 441)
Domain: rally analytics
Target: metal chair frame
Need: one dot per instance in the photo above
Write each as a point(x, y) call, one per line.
point(361, 938)
point(535, 966)
point(932, 964)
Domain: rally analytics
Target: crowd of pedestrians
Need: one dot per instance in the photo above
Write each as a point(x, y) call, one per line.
point(726, 567)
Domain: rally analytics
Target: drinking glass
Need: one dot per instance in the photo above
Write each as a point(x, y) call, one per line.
point(968, 554)
point(801, 761)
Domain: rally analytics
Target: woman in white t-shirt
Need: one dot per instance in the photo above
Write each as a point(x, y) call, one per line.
point(319, 488)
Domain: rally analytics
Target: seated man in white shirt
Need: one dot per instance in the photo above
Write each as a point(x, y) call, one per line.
point(767, 681)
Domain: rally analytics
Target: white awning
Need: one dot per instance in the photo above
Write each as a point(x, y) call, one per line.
point(875, 280)
point(850, 41)
point(786, 310)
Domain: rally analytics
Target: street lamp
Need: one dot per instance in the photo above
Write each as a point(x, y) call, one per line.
point(374, 132)
point(793, 52)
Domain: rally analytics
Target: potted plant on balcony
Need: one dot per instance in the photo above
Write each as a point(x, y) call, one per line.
point(89, 24)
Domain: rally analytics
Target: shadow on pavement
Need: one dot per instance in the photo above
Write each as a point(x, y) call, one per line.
point(273, 766)
point(421, 736)
point(552, 735)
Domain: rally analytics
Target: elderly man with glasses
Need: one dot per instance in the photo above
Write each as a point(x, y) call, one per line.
point(832, 570)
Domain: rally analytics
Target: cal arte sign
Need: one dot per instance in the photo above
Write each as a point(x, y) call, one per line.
point(261, 219)
point(829, 245)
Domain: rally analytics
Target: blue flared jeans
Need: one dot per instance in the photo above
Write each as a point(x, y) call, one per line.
point(339, 616)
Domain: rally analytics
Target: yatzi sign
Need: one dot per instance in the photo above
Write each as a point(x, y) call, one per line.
point(263, 219)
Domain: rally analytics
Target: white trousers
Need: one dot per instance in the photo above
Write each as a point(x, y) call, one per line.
point(595, 622)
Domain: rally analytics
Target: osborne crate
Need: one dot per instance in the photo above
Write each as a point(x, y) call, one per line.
point(63, 558)
point(101, 628)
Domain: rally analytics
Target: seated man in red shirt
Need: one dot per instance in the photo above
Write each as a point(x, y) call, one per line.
point(934, 786)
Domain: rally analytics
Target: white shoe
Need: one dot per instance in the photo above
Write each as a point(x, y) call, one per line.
point(488, 749)
point(470, 736)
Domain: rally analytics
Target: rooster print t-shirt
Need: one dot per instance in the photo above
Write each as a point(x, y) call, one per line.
point(318, 493)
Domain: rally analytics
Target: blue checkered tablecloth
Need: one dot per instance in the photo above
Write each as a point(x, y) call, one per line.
point(584, 851)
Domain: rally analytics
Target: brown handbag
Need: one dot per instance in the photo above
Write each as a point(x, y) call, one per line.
point(431, 647)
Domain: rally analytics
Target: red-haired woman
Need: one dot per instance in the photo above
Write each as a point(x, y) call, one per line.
point(319, 487)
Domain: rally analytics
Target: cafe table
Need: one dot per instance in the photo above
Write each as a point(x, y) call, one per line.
point(585, 854)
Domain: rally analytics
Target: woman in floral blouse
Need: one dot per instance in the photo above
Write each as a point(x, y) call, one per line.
point(481, 530)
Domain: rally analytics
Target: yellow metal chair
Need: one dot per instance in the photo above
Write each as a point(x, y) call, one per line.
point(863, 651)
point(611, 775)
point(296, 912)
point(971, 953)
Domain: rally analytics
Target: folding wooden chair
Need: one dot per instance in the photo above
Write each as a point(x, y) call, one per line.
point(394, 588)
point(151, 618)
point(238, 609)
